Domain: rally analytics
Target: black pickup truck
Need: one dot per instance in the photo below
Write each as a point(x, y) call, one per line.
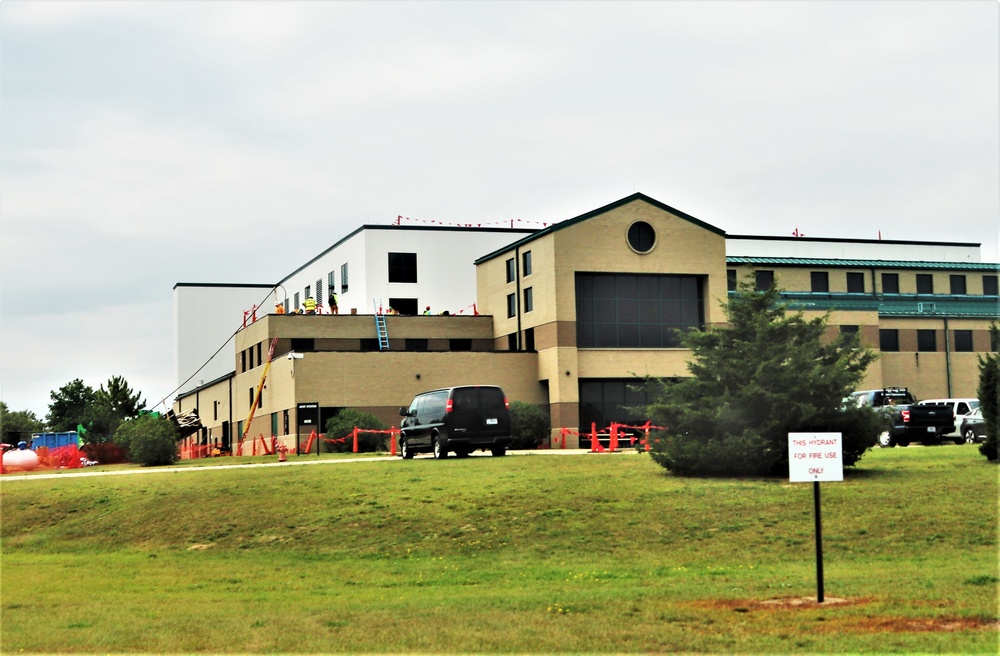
point(909, 422)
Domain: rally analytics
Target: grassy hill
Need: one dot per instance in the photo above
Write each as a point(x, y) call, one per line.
point(589, 553)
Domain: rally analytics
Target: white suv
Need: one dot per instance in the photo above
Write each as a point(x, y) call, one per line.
point(960, 408)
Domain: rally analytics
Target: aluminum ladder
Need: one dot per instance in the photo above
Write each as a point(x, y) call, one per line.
point(383, 334)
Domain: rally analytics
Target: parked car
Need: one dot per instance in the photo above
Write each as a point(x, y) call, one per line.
point(460, 419)
point(973, 428)
point(908, 421)
point(960, 408)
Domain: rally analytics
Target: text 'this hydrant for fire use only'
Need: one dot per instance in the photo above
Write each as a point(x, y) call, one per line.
point(282, 453)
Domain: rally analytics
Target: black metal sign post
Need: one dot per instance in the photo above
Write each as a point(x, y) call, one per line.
point(819, 543)
point(815, 457)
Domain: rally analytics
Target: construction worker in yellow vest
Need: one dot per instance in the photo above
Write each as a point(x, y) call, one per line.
point(310, 305)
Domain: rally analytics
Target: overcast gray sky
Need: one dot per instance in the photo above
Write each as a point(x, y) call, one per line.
point(148, 143)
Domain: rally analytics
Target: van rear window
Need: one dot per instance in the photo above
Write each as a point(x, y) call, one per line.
point(474, 398)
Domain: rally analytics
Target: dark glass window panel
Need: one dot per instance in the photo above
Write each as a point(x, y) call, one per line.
point(764, 280)
point(963, 341)
point(890, 283)
point(926, 340)
point(925, 283)
point(819, 281)
point(648, 287)
point(888, 339)
point(625, 287)
point(628, 335)
point(628, 311)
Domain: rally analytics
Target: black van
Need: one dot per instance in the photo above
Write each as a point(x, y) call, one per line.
point(459, 419)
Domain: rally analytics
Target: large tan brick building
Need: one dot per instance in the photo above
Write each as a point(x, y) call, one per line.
point(571, 316)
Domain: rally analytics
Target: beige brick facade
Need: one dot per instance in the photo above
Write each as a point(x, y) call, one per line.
point(533, 353)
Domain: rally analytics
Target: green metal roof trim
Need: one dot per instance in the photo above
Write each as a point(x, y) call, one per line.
point(857, 264)
point(924, 305)
point(601, 210)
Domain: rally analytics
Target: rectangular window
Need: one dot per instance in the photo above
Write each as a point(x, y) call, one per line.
point(731, 280)
point(215, 410)
point(511, 270)
point(819, 281)
point(926, 340)
point(855, 282)
point(529, 339)
point(403, 267)
point(260, 353)
point(958, 284)
point(529, 300)
point(243, 361)
point(296, 301)
point(963, 341)
point(925, 283)
point(370, 344)
point(512, 342)
point(308, 291)
point(888, 339)
point(990, 286)
point(764, 280)
point(331, 281)
point(526, 263)
point(303, 344)
point(413, 344)
point(636, 310)
point(511, 305)
point(603, 401)
point(848, 330)
point(343, 278)
point(890, 283)
point(459, 344)
point(407, 306)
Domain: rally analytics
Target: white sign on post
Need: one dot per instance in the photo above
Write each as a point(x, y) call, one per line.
point(815, 457)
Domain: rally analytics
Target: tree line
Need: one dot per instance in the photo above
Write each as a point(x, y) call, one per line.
point(76, 406)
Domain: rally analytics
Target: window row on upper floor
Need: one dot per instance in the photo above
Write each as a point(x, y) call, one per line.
point(857, 282)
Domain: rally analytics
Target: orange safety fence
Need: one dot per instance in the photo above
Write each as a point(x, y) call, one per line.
point(613, 433)
point(61, 457)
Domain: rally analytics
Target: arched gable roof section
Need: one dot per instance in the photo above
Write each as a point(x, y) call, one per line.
point(601, 210)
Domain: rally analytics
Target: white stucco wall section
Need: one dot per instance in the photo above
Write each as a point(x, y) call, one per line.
point(205, 317)
point(446, 273)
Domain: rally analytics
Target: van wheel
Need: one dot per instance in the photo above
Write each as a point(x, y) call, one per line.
point(439, 451)
point(885, 440)
point(499, 451)
point(405, 451)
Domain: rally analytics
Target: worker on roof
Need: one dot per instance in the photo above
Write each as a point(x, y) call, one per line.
point(279, 308)
point(310, 305)
point(427, 311)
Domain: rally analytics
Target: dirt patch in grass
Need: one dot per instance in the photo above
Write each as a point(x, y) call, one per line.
point(857, 625)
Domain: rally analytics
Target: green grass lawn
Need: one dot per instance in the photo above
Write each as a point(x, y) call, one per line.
point(590, 553)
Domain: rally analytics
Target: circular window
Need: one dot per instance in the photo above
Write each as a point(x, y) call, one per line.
point(641, 237)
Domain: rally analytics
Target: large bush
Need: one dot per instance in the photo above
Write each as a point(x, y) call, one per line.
point(529, 425)
point(343, 426)
point(149, 440)
point(754, 381)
